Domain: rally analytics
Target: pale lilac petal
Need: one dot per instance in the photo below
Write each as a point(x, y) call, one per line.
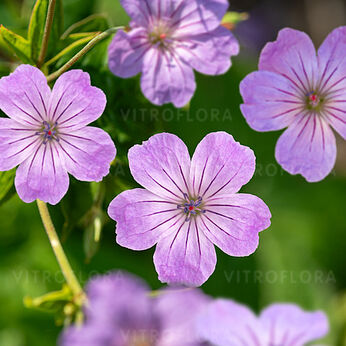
point(308, 148)
point(226, 323)
point(87, 153)
point(332, 62)
point(166, 78)
point(194, 17)
point(161, 165)
point(292, 55)
point(232, 222)
point(142, 218)
point(24, 95)
point(335, 114)
point(210, 53)
point(74, 102)
point(139, 10)
point(179, 323)
point(220, 165)
point(42, 176)
point(126, 52)
point(185, 255)
point(289, 325)
point(271, 102)
point(17, 142)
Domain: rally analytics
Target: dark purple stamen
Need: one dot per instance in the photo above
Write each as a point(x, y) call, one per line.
point(191, 207)
point(48, 132)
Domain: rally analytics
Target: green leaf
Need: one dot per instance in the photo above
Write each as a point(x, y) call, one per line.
point(17, 44)
point(6, 184)
point(37, 25)
point(96, 22)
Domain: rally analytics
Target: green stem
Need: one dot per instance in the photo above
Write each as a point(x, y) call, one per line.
point(60, 254)
point(46, 34)
point(81, 53)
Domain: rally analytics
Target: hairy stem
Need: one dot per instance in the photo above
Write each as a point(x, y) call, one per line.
point(82, 52)
point(46, 34)
point(59, 253)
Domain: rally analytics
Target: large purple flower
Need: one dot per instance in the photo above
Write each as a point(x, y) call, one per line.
point(167, 40)
point(46, 132)
point(226, 323)
point(121, 312)
point(305, 92)
point(188, 206)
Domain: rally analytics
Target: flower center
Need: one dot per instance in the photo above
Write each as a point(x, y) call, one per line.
point(191, 206)
point(160, 34)
point(313, 101)
point(48, 132)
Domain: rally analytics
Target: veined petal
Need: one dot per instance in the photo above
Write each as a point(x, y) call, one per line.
point(17, 143)
point(87, 153)
point(167, 78)
point(24, 95)
point(140, 11)
point(335, 113)
point(162, 166)
point(270, 101)
point(185, 256)
point(194, 17)
point(220, 165)
point(210, 53)
point(74, 103)
point(42, 176)
point(332, 62)
point(142, 218)
point(226, 323)
point(287, 324)
point(232, 222)
point(126, 52)
point(292, 55)
point(308, 148)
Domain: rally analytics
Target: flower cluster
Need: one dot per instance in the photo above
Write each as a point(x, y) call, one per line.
point(121, 312)
point(167, 40)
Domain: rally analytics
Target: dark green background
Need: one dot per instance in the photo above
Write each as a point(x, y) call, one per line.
point(301, 257)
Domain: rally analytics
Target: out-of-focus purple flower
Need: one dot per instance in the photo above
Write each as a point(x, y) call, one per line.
point(226, 323)
point(121, 312)
point(188, 206)
point(46, 132)
point(167, 40)
point(305, 92)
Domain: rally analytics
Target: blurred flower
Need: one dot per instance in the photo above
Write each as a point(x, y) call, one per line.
point(188, 206)
point(167, 40)
point(225, 322)
point(47, 134)
point(304, 92)
point(121, 313)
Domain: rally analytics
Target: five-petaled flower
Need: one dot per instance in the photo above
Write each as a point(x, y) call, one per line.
point(225, 322)
point(167, 40)
point(305, 92)
point(46, 132)
point(121, 312)
point(188, 206)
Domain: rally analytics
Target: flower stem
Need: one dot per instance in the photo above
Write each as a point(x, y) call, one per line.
point(59, 253)
point(46, 34)
point(82, 52)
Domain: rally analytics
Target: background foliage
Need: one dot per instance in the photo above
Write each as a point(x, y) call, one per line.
point(301, 258)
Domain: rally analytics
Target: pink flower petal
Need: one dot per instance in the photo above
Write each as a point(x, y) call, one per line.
point(24, 95)
point(220, 165)
point(87, 153)
point(142, 218)
point(162, 166)
point(308, 148)
point(74, 102)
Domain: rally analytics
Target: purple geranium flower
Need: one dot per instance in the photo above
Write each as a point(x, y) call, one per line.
point(47, 135)
point(188, 206)
point(305, 92)
point(226, 323)
point(121, 312)
point(167, 40)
